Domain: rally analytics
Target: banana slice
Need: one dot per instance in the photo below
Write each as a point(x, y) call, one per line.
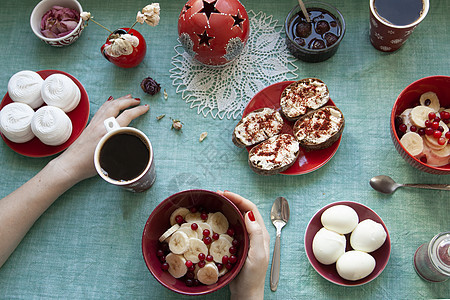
point(168, 233)
point(209, 274)
point(220, 248)
point(186, 228)
point(412, 142)
point(223, 271)
point(181, 211)
point(430, 100)
point(419, 115)
point(196, 246)
point(433, 142)
point(193, 217)
point(437, 158)
point(218, 222)
point(179, 242)
point(177, 266)
point(406, 117)
point(202, 226)
point(226, 236)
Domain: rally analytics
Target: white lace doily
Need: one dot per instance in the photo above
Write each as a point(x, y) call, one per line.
point(226, 90)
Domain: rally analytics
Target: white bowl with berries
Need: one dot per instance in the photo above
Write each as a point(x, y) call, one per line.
point(195, 242)
point(420, 121)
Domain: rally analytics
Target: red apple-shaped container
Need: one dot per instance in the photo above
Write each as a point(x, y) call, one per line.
point(214, 32)
point(129, 60)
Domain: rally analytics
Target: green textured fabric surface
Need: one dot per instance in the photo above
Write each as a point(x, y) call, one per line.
point(88, 243)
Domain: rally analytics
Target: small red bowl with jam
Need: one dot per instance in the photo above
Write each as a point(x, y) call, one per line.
point(319, 39)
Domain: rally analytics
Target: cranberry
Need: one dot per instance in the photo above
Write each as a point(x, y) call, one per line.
point(189, 263)
point(204, 216)
point(427, 123)
point(230, 231)
point(190, 275)
point(423, 159)
point(442, 141)
point(447, 134)
point(193, 210)
point(162, 258)
point(191, 268)
point(322, 27)
point(179, 219)
point(303, 29)
point(189, 282)
point(232, 250)
point(209, 258)
point(435, 125)
point(229, 266)
point(194, 226)
point(403, 128)
point(201, 264)
point(413, 128)
point(225, 259)
point(215, 236)
point(207, 240)
point(431, 116)
point(219, 266)
point(159, 253)
point(429, 131)
point(232, 259)
point(330, 38)
point(196, 282)
point(201, 256)
point(206, 232)
point(444, 115)
point(165, 266)
point(421, 131)
point(437, 119)
point(437, 134)
point(441, 129)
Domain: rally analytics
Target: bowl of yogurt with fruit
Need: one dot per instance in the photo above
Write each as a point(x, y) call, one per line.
point(420, 121)
point(195, 242)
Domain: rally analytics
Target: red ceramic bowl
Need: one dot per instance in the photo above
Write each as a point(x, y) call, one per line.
point(158, 222)
point(329, 272)
point(409, 98)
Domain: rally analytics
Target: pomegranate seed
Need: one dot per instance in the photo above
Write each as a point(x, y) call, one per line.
point(437, 134)
point(206, 232)
point(441, 129)
point(442, 141)
point(403, 128)
point(427, 123)
point(435, 125)
point(165, 266)
point(201, 264)
point(189, 263)
point(207, 240)
point(421, 131)
point(193, 210)
point(215, 236)
point(219, 266)
point(229, 266)
point(189, 282)
point(204, 216)
point(230, 231)
point(209, 258)
point(159, 253)
point(447, 134)
point(194, 226)
point(431, 116)
point(190, 275)
point(437, 119)
point(445, 115)
point(423, 159)
point(201, 256)
point(232, 250)
point(225, 259)
point(429, 131)
point(179, 219)
point(196, 282)
point(232, 259)
point(162, 258)
point(413, 128)
point(191, 268)
point(446, 121)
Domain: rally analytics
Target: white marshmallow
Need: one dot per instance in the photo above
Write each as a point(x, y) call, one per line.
point(51, 125)
point(60, 91)
point(25, 86)
point(15, 122)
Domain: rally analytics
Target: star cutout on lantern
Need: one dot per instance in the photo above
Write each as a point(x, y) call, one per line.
point(209, 8)
point(238, 20)
point(185, 9)
point(204, 39)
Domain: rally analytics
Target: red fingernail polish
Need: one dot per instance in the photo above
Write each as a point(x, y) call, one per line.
point(251, 216)
point(138, 99)
point(110, 98)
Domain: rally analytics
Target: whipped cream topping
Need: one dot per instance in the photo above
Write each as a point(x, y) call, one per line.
point(259, 126)
point(304, 94)
point(51, 125)
point(60, 91)
point(278, 151)
point(319, 126)
point(15, 122)
point(25, 86)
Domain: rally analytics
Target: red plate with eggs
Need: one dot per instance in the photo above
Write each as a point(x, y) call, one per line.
point(306, 161)
point(79, 117)
point(381, 255)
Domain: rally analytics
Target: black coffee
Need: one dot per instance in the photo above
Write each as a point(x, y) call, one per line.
point(124, 156)
point(399, 12)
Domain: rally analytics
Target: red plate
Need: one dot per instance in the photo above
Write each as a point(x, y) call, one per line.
point(306, 161)
point(79, 117)
point(329, 272)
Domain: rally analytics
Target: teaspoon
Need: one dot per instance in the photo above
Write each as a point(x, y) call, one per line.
point(386, 185)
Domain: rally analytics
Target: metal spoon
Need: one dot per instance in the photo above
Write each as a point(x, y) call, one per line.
point(386, 185)
point(279, 215)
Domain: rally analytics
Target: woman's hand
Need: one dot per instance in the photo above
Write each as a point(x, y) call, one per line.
point(77, 161)
point(249, 284)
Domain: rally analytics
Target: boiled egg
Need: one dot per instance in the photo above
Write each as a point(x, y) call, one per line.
point(328, 246)
point(340, 218)
point(354, 265)
point(368, 236)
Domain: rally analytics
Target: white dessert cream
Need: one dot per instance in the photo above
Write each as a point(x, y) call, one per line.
point(51, 125)
point(258, 126)
point(319, 126)
point(279, 150)
point(25, 87)
point(60, 91)
point(15, 122)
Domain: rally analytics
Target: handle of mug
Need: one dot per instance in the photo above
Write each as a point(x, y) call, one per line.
point(111, 124)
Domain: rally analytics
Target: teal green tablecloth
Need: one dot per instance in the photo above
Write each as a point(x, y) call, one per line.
point(88, 244)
